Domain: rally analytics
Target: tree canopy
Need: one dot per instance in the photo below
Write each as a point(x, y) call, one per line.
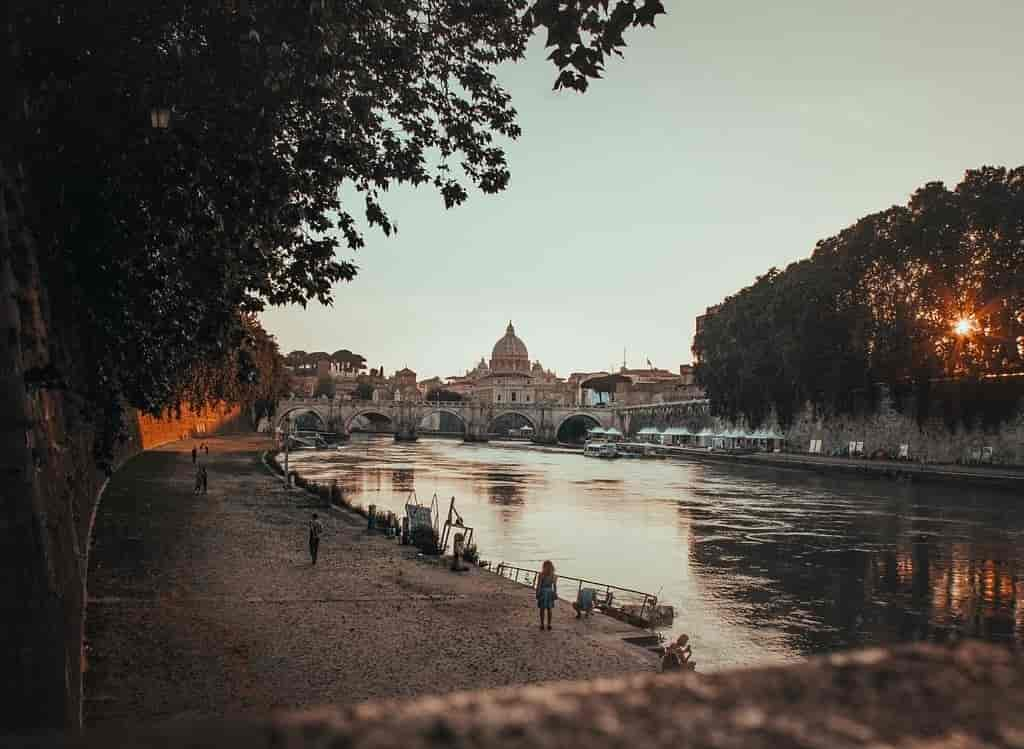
point(159, 236)
point(915, 293)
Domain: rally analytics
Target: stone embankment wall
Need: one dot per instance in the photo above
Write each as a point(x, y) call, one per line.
point(147, 432)
point(884, 429)
point(931, 441)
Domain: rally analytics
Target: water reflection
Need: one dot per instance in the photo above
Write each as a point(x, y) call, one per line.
point(403, 480)
point(763, 565)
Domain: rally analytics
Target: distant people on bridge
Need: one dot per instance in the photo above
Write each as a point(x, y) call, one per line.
point(547, 591)
point(316, 529)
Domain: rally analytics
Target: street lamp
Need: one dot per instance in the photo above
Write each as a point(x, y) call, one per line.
point(160, 117)
point(287, 432)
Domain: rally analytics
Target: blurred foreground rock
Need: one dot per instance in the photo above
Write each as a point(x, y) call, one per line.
point(920, 696)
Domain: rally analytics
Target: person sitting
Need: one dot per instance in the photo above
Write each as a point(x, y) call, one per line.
point(678, 656)
point(585, 601)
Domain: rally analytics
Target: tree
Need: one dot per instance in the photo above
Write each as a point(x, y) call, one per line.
point(364, 391)
point(154, 189)
point(349, 360)
point(906, 296)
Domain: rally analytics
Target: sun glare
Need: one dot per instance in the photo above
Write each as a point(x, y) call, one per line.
point(963, 326)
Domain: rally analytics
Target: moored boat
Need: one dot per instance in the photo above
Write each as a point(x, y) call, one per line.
point(600, 450)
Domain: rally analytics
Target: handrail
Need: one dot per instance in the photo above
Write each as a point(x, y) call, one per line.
point(519, 574)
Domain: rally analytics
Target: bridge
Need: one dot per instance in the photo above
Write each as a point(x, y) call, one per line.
point(477, 419)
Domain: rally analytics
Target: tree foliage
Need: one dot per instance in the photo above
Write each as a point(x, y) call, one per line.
point(152, 241)
point(915, 293)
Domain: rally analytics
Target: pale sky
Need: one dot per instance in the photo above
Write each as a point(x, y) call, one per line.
point(730, 139)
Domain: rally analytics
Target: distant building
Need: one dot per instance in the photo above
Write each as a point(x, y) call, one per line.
point(510, 377)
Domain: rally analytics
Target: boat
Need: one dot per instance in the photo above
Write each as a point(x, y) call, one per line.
point(600, 450)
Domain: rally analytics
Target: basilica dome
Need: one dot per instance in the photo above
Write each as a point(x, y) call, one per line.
point(509, 353)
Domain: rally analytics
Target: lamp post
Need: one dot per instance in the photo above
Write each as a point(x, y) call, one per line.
point(287, 432)
point(160, 117)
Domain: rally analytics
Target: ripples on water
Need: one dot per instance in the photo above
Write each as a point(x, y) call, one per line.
point(762, 564)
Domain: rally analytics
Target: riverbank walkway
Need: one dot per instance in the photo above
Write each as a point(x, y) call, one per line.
point(208, 605)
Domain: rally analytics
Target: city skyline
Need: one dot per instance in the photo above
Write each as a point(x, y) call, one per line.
point(729, 140)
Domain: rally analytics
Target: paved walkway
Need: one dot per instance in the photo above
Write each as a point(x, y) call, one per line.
point(209, 605)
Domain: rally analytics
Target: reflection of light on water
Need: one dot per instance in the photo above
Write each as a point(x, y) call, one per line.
point(762, 565)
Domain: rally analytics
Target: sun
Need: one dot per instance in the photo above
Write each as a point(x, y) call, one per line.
point(963, 326)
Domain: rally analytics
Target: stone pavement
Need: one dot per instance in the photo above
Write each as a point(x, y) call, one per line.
point(208, 605)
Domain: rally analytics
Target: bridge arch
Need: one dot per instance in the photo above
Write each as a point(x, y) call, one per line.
point(295, 412)
point(428, 412)
point(588, 420)
point(510, 412)
point(368, 412)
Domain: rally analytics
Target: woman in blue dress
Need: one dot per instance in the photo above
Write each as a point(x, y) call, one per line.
point(547, 591)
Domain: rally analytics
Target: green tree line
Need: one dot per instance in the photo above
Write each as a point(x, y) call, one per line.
point(915, 297)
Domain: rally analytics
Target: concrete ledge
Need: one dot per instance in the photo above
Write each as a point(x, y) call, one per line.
point(919, 696)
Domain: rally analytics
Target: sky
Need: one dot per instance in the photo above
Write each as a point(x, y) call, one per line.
point(729, 140)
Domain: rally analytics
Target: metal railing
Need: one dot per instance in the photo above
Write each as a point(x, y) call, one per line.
point(608, 596)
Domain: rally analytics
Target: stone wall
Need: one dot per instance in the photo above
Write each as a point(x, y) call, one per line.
point(887, 429)
point(149, 432)
point(883, 429)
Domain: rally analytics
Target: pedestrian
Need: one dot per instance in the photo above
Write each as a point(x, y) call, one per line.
point(316, 529)
point(199, 480)
point(547, 591)
point(206, 449)
point(194, 453)
point(204, 475)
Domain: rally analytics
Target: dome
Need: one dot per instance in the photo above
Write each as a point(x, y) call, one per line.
point(509, 352)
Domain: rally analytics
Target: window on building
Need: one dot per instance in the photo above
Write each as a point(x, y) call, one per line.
point(513, 396)
point(499, 396)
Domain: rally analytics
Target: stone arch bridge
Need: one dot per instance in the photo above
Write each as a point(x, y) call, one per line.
point(477, 418)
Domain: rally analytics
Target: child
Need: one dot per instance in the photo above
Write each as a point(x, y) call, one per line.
point(547, 591)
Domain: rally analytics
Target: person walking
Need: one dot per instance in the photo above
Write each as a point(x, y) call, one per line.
point(316, 529)
point(547, 591)
point(199, 480)
point(206, 450)
point(202, 471)
point(194, 453)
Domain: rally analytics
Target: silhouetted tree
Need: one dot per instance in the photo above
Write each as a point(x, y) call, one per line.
point(881, 302)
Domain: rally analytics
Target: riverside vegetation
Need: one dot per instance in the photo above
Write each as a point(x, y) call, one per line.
point(925, 299)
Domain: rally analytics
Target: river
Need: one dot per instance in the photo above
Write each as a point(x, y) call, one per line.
point(763, 565)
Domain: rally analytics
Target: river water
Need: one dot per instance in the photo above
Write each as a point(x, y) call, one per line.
point(762, 565)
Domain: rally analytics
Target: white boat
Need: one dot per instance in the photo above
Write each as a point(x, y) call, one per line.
point(602, 449)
